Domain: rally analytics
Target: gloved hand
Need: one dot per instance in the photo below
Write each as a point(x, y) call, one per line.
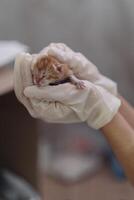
point(23, 79)
point(81, 66)
point(63, 103)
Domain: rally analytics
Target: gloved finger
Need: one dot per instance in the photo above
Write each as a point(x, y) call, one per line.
point(65, 93)
point(54, 112)
point(44, 50)
point(22, 78)
point(61, 46)
point(77, 62)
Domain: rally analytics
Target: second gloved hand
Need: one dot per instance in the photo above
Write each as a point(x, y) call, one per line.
point(81, 66)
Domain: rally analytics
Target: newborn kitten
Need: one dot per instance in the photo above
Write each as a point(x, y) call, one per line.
point(47, 70)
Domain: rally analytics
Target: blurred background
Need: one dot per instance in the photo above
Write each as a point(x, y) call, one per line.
point(102, 30)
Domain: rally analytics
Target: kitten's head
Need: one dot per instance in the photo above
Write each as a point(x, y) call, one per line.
point(47, 70)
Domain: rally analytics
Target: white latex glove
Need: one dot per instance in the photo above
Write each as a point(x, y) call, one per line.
point(63, 103)
point(82, 67)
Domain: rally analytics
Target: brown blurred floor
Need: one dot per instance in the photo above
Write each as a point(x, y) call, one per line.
point(102, 186)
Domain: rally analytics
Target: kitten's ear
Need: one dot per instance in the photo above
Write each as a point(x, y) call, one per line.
point(42, 62)
point(46, 60)
point(54, 67)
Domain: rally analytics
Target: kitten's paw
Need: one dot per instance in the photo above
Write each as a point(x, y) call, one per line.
point(80, 85)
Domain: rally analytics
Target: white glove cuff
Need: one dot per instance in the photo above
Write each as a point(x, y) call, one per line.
point(106, 108)
point(107, 83)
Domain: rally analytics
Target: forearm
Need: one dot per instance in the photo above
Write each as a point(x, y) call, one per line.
point(120, 136)
point(127, 111)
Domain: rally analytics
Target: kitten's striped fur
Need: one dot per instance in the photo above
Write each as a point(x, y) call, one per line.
point(48, 70)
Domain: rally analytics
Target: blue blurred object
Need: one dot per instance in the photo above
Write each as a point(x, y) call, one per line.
point(116, 167)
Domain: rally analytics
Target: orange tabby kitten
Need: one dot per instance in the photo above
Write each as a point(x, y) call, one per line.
point(47, 70)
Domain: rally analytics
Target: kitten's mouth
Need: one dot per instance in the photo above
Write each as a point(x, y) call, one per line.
point(38, 81)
